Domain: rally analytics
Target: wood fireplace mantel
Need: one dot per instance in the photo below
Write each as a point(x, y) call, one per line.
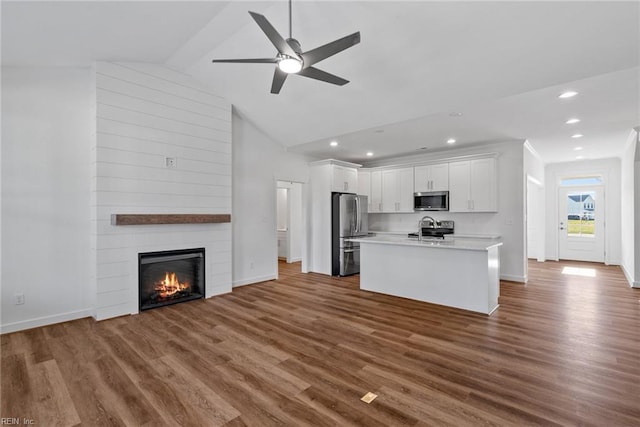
point(152, 219)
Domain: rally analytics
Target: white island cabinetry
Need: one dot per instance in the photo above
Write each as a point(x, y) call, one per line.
point(460, 273)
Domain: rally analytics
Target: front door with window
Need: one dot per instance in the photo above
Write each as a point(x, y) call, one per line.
point(581, 213)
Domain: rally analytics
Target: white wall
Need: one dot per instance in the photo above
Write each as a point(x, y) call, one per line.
point(258, 163)
point(630, 210)
point(535, 218)
point(146, 113)
point(636, 215)
point(610, 170)
point(508, 222)
point(45, 195)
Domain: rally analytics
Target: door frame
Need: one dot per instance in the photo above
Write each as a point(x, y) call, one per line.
point(304, 197)
point(601, 188)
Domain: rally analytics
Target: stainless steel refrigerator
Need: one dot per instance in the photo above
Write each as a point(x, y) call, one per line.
point(350, 218)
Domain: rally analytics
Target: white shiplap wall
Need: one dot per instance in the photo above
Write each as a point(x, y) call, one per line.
point(145, 113)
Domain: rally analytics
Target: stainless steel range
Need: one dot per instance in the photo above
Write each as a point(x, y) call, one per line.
point(432, 228)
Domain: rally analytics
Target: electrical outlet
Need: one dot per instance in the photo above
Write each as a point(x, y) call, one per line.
point(251, 266)
point(171, 162)
point(18, 298)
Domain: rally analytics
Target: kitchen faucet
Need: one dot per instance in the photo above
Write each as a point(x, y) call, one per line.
point(422, 222)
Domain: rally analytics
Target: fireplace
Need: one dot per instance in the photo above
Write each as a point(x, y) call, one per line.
point(170, 277)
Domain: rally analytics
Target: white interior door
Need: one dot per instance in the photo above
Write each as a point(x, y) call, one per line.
point(581, 223)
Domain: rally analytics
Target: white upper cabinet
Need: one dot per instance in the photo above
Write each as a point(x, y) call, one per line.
point(375, 198)
point(473, 186)
point(364, 185)
point(397, 190)
point(431, 178)
point(344, 179)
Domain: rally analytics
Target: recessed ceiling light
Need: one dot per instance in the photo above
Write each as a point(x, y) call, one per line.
point(579, 157)
point(577, 135)
point(451, 141)
point(455, 114)
point(369, 154)
point(568, 94)
point(333, 143)
point(572, 121)
point(578, 148)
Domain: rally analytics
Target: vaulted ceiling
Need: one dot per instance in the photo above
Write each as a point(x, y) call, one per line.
point(501, 65)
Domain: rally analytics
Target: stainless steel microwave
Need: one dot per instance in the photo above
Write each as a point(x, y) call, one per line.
point(431, 201)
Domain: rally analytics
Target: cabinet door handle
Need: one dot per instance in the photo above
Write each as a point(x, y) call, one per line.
point(380, 207)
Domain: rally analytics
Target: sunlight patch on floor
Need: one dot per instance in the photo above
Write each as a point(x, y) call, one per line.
point(579, 271)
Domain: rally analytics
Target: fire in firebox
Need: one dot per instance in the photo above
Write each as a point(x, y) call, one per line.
point(171, 287)
point(170, 277)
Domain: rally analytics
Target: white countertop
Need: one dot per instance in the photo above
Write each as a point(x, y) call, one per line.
point(471, 244)
point(447, 236)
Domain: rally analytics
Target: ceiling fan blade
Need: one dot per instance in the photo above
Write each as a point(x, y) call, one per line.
point(279, 77)
point(273, 35)
point(317, 74)
point(249, 61)
point(318, 54)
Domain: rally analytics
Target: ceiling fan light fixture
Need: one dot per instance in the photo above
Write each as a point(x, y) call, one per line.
point(290, 65)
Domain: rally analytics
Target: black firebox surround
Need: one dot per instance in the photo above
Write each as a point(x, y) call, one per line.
point(197, 252)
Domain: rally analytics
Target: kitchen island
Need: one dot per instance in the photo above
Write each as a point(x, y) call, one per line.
point(460, 273)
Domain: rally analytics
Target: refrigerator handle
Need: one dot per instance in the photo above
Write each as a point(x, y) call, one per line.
point(358, 217)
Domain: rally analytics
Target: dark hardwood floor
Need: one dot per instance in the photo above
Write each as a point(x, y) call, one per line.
point(303, 350)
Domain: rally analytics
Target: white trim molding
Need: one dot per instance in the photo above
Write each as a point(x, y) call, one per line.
point(513, 278)
point(44, 321)
point(253, 280)
point(632, 283)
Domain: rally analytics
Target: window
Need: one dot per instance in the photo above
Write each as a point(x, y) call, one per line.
point(581, 180)
point(581, 213)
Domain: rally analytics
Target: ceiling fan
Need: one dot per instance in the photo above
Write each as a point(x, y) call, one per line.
point(292, 60)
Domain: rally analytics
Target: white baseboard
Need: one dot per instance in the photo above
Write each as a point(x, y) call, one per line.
point(44, 321)
point(253, 280)
point(513, 278)
point(294, 260)
point(632, 283)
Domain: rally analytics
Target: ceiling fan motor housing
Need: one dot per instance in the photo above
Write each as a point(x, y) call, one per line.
point(295, 45)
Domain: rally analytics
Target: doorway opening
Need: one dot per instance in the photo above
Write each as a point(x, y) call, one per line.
point(289, 226)
point(581, 219)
